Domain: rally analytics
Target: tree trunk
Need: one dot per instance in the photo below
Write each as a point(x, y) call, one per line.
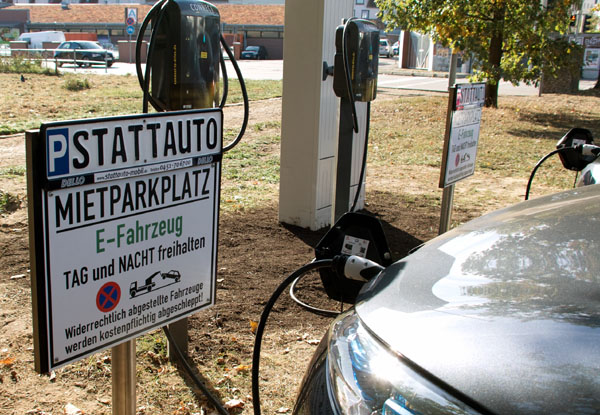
point(495, 58)
point(491, 94)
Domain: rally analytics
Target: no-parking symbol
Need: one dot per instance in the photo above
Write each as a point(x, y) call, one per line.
point(108, 297)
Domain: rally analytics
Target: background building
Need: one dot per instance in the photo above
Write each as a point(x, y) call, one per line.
point(252, 24)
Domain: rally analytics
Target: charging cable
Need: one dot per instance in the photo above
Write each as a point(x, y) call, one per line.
point(348, 75)
point(324, 263)
point(244, 95)
point(351, 267)
point(583, 149)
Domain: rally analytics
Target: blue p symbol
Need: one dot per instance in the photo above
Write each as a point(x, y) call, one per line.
point(58, 151)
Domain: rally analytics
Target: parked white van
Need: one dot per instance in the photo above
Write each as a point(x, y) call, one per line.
point(36, 39)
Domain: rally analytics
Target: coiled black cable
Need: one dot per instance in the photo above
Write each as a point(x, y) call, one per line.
point(154, 14)
point(348, 75)
point(263, 321)
point(311, 308)
point(538, 164)
point(244, 96)
point(363, 167)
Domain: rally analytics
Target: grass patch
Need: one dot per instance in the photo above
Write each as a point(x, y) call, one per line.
point(262, 126)
point(250, 172)
point(8, 202)
point(20, 65)
point(26, 105)
point(409, 130)
point(407, 134)
point(256, 89)
point(13, 172)
point(76, 84)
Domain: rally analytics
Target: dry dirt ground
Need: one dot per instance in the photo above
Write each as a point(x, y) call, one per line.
point(255, 254)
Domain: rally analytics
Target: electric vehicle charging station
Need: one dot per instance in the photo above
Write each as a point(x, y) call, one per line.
point(354, 79)
point(355, 249)
point(125, 194)
point(310, 116)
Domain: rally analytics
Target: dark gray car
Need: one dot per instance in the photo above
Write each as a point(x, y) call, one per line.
point(501, 315)
point(83, 53)
point(254, 52)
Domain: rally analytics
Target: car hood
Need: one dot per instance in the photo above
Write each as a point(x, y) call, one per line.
point(506, 308)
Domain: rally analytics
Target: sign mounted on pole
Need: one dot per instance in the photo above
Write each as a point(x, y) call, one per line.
point(462, 133)
point(131, 19)
point(131, 16)
point(124, 227)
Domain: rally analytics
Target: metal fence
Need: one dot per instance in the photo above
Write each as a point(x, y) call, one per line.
point(59, 57)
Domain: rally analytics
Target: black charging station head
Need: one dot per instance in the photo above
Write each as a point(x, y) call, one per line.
point(353, 234)
point(356, 55)
point(571, 158)
point(184, 55)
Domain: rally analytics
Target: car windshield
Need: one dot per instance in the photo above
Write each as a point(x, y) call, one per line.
point(254, 48)
point(89, 45)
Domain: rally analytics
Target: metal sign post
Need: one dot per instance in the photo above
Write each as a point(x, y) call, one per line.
point(123, 379)
point(460, 144)
point(448, 192)
point(131, 17)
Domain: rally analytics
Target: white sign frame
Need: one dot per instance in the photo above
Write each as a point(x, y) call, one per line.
point(118, 248)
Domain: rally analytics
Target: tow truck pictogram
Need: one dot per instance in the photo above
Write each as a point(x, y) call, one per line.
point(149, 284)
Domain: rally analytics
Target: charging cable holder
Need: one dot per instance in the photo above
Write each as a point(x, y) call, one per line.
point(354, 73)
point(353, 234)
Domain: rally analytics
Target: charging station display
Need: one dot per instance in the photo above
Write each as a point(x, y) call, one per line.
point(356, 60)
point(184, 56)
point(119, 247)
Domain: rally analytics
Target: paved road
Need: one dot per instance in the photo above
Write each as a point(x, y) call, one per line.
point(273, 69)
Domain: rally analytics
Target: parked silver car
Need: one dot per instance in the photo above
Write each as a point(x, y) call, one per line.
point(384, 48)
point(498, 316)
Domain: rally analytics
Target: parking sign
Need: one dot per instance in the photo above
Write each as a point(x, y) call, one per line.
point(131, 14)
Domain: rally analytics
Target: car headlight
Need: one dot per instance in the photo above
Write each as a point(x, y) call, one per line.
point(365, 377)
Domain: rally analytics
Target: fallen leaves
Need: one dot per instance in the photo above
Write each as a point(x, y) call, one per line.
point(8, 362)
point(312, 342)
point(253, 326)
point(234, 403)
point(71, 409)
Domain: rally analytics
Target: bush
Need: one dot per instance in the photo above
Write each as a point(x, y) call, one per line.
point(18, 64)
point(8, 202)
point(75, 84)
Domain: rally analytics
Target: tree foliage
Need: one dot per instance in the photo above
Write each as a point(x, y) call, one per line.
point(515, 40)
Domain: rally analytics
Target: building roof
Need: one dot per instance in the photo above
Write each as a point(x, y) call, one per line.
point(238, 14)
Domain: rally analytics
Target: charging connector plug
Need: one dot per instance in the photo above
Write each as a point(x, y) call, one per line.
point(356, 268)
point(588, 150)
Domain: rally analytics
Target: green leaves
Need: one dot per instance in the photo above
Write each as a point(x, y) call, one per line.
point(525, 35)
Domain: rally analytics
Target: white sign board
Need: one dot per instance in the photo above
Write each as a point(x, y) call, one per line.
point(591, 58)
point(460, 147)
point(129, 228)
